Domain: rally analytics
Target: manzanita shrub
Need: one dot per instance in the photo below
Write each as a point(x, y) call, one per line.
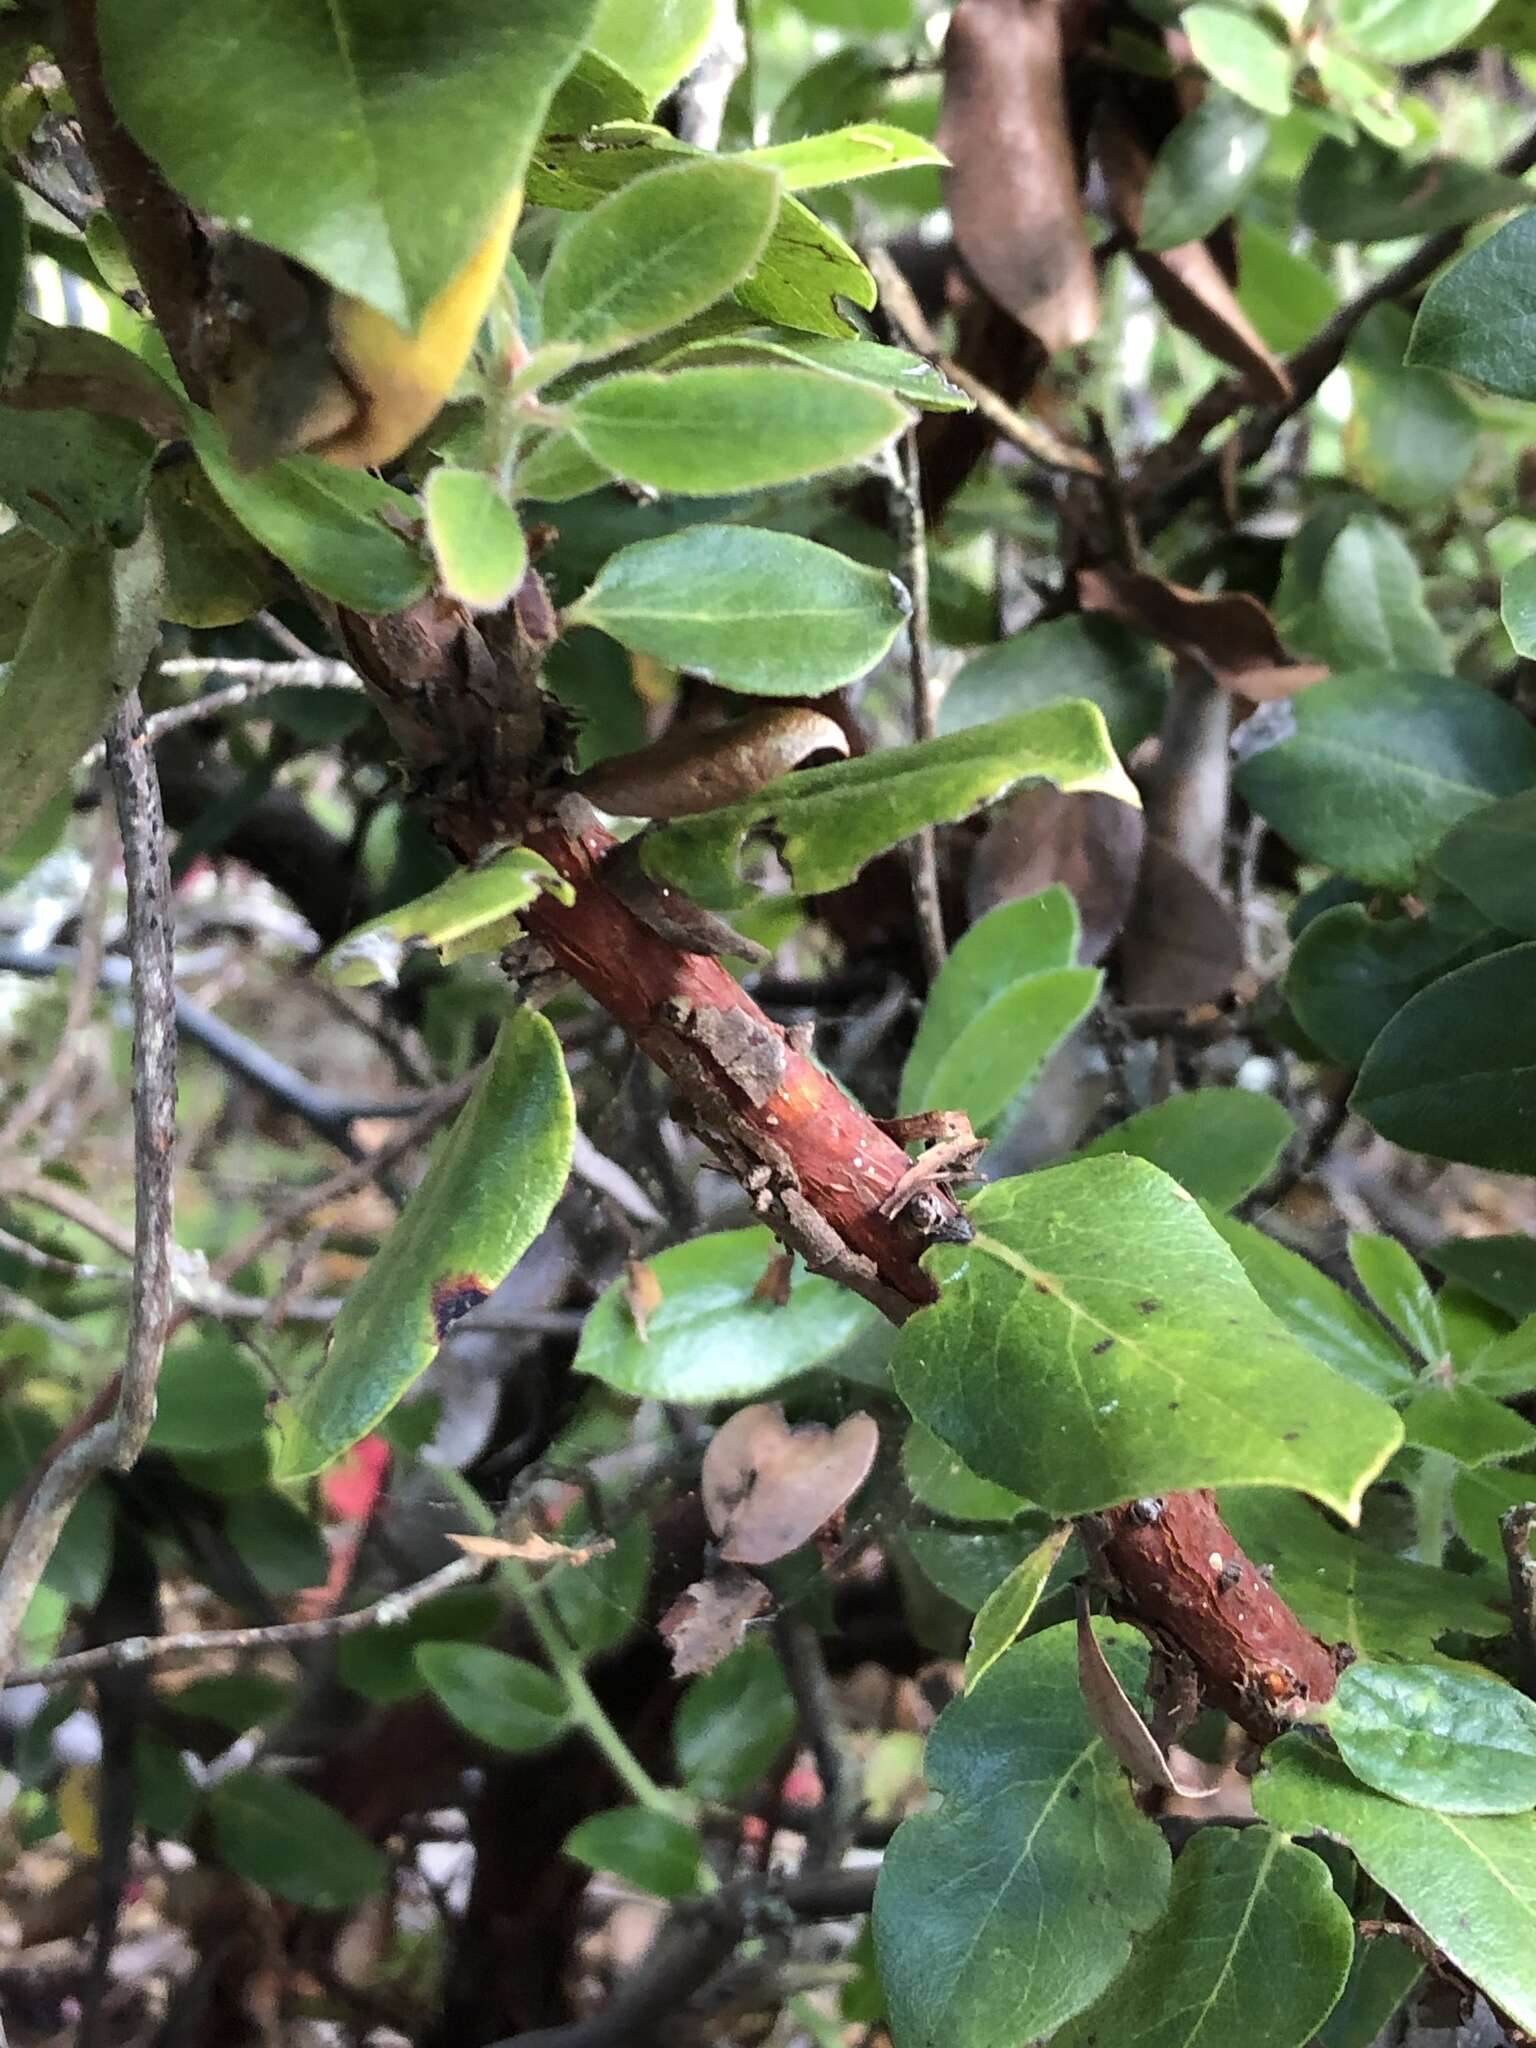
point(842, 698)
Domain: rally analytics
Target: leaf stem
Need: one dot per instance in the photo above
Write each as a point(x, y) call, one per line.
point(1432, 1505)
point(586, 1708)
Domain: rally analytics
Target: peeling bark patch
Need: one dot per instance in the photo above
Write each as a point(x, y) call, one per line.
point(452, 1299)
point(752, 1054)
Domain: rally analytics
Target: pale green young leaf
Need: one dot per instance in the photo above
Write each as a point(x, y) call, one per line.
point(483, 1200)
point(1467, 1424)
point(1408, 31)
point(1316, 1309)
point(479, 545)
point(653, 42)
point(860, 151)
point(710, 431)
point(712, 1337)
point(656, 252)
point(465, 914)
point(765, 613)
point(1006, 1612)
point(1002, 1048)
point(1242, 54)
point(825, 823)
point(1391, 1277)
point(1217, 1143)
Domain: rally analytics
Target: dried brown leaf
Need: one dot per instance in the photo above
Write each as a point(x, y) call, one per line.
point(708, 1619)
point(1182, 943)
point(531, 1549)
point(1013, 183)
point(773, 1283)
point(1117, 1719)
point(1228, 633)
point(1089, 842)
point(642, 1295)
point(768, 1487)
point(691, 769)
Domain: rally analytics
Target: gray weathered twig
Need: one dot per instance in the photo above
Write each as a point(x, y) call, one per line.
point(114, 1443)
point(907, 491)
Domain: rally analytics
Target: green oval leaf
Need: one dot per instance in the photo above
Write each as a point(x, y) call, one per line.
point(734, 1723)
point(1124, 1353)
point(1452, 1073)
point(710, 431)
point(656, 252)
point(1478, 318)
point(1469, 1882)
point(1007, 1611)
point(1318, 1311)
point(327, 524)
point(503, 1701)
point(825, 823)
point(1408, 31)
point(1217, 1143)
point(87, 639)
point(375, 150)
point(1366, 193)
point(480, 549)
point(1081, 656)
point(1351, 972)
point(711, 1338)
point(860, 151)
point(1007, 1911)
point(210, 1397)
point(1202, 171)
point(483, 1200)
point(1490, 857)
point(1240, 54)
point(1370, 770)
point(653, 42)
point(1247, 1908)
point(655, 1852)
point(279, 1836)
point(1391, 1277)
point(765, 613)
point(468, 913)
point(1456, 1740)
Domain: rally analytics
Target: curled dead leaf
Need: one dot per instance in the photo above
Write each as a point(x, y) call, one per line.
point(690, 770)
point(1013, 181)
point(1116, 1717)
point(769, 1487)
point(772, 1285)
point(1182, 944)
point(708, 1619)
point(1228, 633)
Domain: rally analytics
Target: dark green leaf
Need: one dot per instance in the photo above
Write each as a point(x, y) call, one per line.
point(765, 613)
point(210, 1397)
point(87, 640)
point(13, 259)
point(1351, 973)
point(1098, 1341)
point(1384, 1971)
point(1346, 1589)
point(485, 1197)
point(598, 1604)
point(1478, 319)
point(1367, 193)
point(503, 1701)
point(1490, 857)
point(380, 1662)
point(277, 1835)
point(1460, 1741)
point(655, 1852)
point(1011, 1908)
point(704, 432)
point(733, 1723)
point(1202, 171)
point(1255, 1947)
point(73, 476)
point(1218, 1143)
point(281, 1546)
point(1411, 440)
point(1452, 1073)
point(1081, 656)
point(968, 1566)
point(711, 1338)
point(825, 823)
point(1500, 1269)
point(947, 1486)
point(374, 146)
point(1369, 771)
point(1319, 1312)
point(1469, 1883)
point(1367, 606)
point(656, 252)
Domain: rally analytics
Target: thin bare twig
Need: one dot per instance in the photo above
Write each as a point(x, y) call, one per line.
point(830, 1829)
point(386, 1612)
point(248, 680)
point(115, 1442)
point(1031, 437)
point(907, 493)
point(704, 93)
